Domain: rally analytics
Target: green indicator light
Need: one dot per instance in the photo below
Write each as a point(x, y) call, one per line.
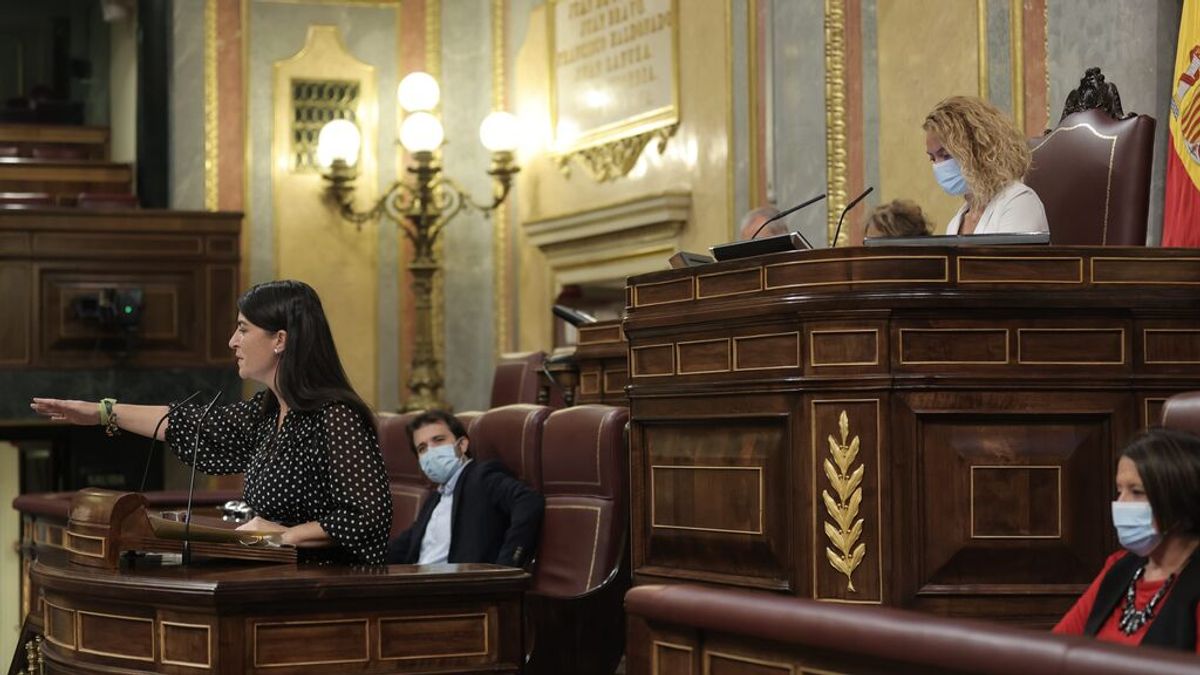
point(128, 309)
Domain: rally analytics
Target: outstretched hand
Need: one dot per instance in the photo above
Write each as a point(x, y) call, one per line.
point(72, 412)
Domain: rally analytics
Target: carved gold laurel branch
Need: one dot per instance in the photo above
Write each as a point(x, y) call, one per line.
point(846, 528)
point(609, 161)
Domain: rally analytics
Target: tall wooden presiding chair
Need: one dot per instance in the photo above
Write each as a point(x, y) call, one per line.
point(1092, 172)
point(406, 482)
point(575, 617)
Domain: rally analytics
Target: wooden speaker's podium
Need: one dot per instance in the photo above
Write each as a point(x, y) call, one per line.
point(254, 610)
point(926, 427)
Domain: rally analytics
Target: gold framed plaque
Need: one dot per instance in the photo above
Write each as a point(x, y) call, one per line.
point(614, 80)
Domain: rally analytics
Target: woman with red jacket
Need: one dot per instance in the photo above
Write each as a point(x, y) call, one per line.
point(1147, 594)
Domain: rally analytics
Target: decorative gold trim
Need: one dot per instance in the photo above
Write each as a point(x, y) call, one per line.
point(212, 169)
point(1141, 282)
point(833, 261)
point(1112, 149)
point(633, 361)
point(1146, 354)
point(752, 104)
point(1022, 361)
point(1146, 409)
point(654, 667)
point(835, 113)
point(637, 301)
point(366, 645)
point(878, 503)
point(79, 614)
point(1016, 45)
point(433, 66)
point(700, 296)
point(162, 644)
point(981, 51)
point(502, 297)
point(737, 369)
point(1007, 350)
point(616, 158)
point(586, 381)
point(844, 512)
point(487, 634)
point(68, 534)
point(653, 506)
point(595, 537)
point(1015, 280)
point(1058, 477)
point(812, 354)
point(709, 653)
point(46, 605)
point(728, 357)
point(610, 151)
point(731, 215)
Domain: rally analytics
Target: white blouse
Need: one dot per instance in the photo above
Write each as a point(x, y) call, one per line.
point(1016, 209)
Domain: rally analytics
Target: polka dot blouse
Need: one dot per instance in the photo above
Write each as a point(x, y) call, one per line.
point(321, 465)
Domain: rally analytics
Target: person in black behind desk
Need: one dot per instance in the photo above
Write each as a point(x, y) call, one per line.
point(479, 514)
point(307, 443)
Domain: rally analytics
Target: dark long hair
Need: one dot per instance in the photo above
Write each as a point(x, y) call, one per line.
point(1168, 463)
point(310, 374)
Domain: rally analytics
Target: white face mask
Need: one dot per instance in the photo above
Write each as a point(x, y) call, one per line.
point(1135, 527)
point(440, 462)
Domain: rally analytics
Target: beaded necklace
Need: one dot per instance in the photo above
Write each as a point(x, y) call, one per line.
point(1132, 618)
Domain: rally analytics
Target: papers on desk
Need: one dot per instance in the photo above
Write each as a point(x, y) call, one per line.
point(170, 525)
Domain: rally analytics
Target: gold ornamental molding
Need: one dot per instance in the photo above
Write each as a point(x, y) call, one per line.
point(835, 111)
point(846, 529)
point(211, 131)
point(614, 159)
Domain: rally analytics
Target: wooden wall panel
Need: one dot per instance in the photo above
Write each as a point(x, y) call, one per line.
point(16, 331)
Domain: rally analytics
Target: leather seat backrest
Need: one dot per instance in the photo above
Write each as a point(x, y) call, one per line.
point(513, 435)
point(585, 526)
point(517, 378)
point(408, 484)
point(1092, 174)
point(1181, 412)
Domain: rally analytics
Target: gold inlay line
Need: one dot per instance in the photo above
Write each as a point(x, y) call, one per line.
point(1058, 497)
point(905, 362)
point(812, 353)
point(653, 502)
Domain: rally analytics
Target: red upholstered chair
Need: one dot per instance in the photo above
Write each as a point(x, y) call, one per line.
point(517, 378)
point(1181, 412)
point(106, 200)
point(1092, 173)
point(513, 435)
point(408, 484)
point(575, 621)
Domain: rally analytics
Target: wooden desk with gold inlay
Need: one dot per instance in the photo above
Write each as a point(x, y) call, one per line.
point(926, 427)
point(225, 617)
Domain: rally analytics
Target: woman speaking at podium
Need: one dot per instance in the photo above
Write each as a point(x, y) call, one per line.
point(306, 444)
point(979, 155)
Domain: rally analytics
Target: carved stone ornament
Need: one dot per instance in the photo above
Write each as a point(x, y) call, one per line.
point(609, 161)
point(1092, 93)
point(846, 529)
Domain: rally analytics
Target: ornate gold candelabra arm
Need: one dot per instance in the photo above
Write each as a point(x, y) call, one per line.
point(502, 171)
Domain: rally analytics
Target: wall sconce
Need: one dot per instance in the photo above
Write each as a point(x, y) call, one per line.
point(420, 206)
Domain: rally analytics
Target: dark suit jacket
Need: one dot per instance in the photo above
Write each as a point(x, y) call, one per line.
point(495, 519)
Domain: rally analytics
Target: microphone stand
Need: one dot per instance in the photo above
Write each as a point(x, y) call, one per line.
point(852, 204)
point(187, 523)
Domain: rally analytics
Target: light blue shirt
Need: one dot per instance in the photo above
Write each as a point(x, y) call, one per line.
point(435, 545)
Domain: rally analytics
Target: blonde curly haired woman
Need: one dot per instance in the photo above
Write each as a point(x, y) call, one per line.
point(978, 154)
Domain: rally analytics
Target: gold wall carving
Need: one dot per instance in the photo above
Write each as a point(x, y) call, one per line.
point(614, 159)
point(211, 132)
point(315, 103)
point(503, 301)
point(835, 112)
point(312, 243)
point(846, 529)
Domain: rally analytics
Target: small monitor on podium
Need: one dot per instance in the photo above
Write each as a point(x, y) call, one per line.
point(792, 241)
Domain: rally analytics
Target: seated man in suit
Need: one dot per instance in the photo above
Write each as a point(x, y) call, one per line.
point(480, 513)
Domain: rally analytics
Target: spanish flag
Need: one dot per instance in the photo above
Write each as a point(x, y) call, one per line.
point(1181, 215)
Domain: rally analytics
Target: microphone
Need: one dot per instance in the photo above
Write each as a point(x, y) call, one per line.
point(573, 316)
point(154, 437)
point(187, 523)
point(853, 203)
point(788, 212)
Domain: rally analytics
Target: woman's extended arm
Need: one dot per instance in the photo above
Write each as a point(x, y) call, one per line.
point(138, 419)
